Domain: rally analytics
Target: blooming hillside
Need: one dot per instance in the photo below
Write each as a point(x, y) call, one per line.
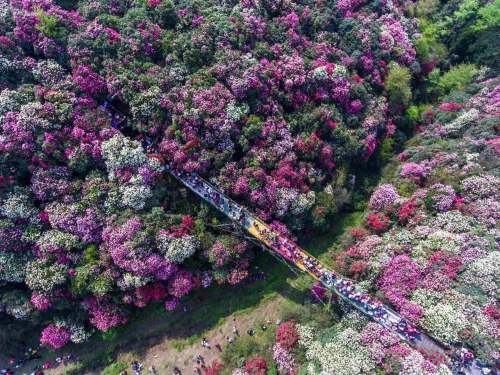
point(429, 248)
point(272, 100)
point(430, 245)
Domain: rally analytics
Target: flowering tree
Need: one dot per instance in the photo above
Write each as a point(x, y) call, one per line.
point(55, 336)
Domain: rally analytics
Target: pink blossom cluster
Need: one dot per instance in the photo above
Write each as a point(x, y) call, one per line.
point(54, 336)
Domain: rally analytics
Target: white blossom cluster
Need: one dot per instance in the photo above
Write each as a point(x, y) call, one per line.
point(285, 197)
point(78, 334)
point(343, 355)
point(459, 124)
point(438, 240)
point(129, 281)
point(43, 277)
point(477, 187)
point(17, 205)
point(236, 112)
point(56, 239)
point(239, 371)
point(4, 9)
point(135, 195)
point(484, 274)
point(339, 71)
point(414, 364)
point(77, 330)
point(303, 203)
point(446, 321)
point(145, 103)
point(113, 200)
point(426, 297)
point(177, 250)
point(121, 152)
point(11, 101)
point(452, 221)
point(49, 72)
point(320, 74)
point(12, 267)
point(16, 304)
point(29, 117)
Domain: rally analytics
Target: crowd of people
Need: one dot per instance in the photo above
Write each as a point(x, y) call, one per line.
point(32, 354)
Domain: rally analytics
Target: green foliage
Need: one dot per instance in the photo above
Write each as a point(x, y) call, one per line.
point(247, 347)
point(88, 279)
point(488, 17)
point(273, 370)
point(115, 368)
point(428, 45)
point(397, 85)
point(49, 26)
point(471, 31)
point(457, 78)
point(386, 149)
point(236, 354)
point(73, 369)
point(250, 131)
point(425, 8)
point(111, 335)
point(406, 187)
point(414, 113)
point(91, 254)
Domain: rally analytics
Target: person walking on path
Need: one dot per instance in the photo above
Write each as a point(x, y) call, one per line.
point(204, 343)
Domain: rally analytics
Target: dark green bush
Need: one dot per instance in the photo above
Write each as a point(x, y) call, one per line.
point(397, 85)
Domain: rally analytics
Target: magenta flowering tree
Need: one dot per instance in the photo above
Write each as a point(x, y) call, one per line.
point(54, 336)
point(103, 314)
point(40, 301)
point(384, 197)
point(88, 81)
point(133, 256)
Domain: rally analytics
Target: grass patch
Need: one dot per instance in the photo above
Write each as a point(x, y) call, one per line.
point(115, 368)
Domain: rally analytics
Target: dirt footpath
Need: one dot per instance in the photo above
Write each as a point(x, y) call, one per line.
point(165, 356)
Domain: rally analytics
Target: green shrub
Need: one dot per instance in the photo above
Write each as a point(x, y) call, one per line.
point(424, 8)
point(428, 45)
point(386, 149)
point(406, 187)
point(91, 254)
point(235, 355)
point(397, 85)
point(457, 78)
point(111, 335)
point(49, 26)
point(488, 17)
